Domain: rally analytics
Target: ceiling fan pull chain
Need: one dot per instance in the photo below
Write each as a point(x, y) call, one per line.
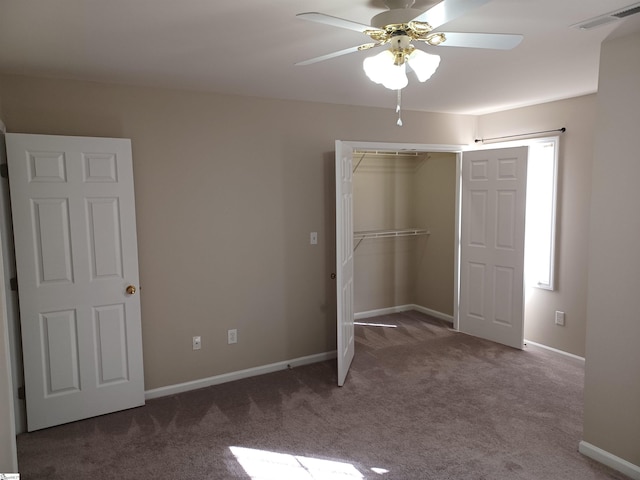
point(399, 107)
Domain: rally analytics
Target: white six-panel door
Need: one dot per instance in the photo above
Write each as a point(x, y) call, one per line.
point(492, 245)
point(344, 259)
point(76, 254)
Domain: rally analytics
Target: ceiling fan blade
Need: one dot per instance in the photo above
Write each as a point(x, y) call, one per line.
point(496, 41)
point(335, 21)
point(339, 53)
point(448, 10)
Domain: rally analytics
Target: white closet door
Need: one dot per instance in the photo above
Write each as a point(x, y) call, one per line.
point(76, 253)
point(492, 245)
point(344, 259)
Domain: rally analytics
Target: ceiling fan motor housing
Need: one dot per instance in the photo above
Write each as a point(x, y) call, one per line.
point(395, 17)
point(391, 4)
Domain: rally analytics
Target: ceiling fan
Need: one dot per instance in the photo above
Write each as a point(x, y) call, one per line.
point(401, 25)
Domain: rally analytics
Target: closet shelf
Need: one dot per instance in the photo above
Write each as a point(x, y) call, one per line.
point(406, 232)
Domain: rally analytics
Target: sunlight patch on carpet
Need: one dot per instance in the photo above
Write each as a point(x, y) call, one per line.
point(379, 471)
point(265, 465)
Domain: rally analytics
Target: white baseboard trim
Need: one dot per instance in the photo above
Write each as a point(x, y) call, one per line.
point(403, 308)
point(382, 311)
point(231, 376)
point(427, 311)
point(610, 460)
point(561, 352)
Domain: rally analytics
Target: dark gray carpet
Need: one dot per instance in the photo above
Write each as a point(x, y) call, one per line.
point(420, 402)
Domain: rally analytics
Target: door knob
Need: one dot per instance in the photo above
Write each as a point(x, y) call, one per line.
point(131, 290)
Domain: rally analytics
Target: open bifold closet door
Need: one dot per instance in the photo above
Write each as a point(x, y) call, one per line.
point(492, 234)
point(344, 259)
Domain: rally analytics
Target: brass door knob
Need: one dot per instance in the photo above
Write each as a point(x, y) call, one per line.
point(131, 290)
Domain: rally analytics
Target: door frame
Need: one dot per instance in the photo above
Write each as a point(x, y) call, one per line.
point(11, 412)
point(11, 296)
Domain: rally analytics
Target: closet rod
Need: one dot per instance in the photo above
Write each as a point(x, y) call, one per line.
point(383, 153)
point(481, 140)
point(390, 153)
point(408, 232)
point(405, 232)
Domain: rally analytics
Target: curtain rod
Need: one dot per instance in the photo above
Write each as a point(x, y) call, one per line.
point(478, 140)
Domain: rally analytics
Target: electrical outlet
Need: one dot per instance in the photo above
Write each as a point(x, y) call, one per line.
point(197, 343)
point(232, 336)
point(560, 318)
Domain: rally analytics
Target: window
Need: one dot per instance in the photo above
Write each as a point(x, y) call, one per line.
point(541, 213)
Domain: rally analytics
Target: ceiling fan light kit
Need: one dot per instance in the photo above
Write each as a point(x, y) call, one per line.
point(389, 67)
point(383, 69)
point(423, 64)
point(401, 25)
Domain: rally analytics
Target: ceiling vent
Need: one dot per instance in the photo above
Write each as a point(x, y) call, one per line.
point(609, 17)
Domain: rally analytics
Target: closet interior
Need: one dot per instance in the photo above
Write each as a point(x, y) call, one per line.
point(404, 230)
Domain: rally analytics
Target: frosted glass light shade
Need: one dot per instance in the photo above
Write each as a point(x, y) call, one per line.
point(423, 64)
point(381, 69)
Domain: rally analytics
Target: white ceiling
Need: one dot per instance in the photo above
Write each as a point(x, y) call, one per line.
point(249, 47)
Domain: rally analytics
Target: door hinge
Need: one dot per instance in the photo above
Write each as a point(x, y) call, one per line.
point(13, 283)
point(21, 394)
point(4, 170)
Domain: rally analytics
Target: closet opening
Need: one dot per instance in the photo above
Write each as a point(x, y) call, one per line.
point(405, 214)
point(398, 231)
point(404, 232)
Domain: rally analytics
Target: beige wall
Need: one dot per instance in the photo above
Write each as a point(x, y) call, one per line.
point(227, 191)
point(436, 210)
point(384, 199)
point(572, 235)
point(612, 375)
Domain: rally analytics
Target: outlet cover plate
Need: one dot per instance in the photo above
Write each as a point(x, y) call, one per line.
point(232, 336)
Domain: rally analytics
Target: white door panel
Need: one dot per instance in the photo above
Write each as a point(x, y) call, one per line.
point(344, 259)
point(492, 245)
point(76, 253)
